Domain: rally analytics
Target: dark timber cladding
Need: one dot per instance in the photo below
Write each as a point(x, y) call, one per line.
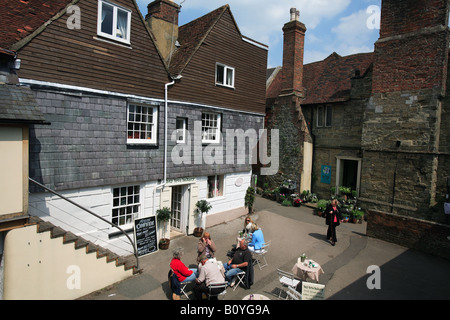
point(60, 55)
point(224, 44)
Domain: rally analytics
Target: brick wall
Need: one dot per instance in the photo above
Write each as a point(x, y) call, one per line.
point(411, 53)
point(164, 9)
point(412, 233)
point(399, 17)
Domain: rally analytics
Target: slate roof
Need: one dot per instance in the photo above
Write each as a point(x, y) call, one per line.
point(329, 80)
point(18, 105)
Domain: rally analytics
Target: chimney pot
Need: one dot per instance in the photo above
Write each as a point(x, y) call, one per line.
point(295, 14)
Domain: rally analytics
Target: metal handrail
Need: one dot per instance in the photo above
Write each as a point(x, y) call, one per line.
point(94, 214)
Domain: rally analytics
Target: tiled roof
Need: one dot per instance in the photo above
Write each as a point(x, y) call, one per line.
point(20, 18)
point(328, 80)
point(191, 37)
point(17, 104)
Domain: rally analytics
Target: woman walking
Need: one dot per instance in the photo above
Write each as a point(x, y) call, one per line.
point(332, 219)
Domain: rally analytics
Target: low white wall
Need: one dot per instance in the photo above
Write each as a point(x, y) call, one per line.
point(38, 267)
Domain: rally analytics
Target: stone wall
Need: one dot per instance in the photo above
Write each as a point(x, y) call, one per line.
point(283, 115)
point(413, 233)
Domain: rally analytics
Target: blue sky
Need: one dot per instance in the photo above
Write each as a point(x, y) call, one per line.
point(342, 26)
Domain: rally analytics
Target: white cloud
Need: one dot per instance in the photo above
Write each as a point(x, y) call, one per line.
point(263, 20)
point(352, 33)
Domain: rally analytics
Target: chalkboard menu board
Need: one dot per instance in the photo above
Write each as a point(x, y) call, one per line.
point(145, 235)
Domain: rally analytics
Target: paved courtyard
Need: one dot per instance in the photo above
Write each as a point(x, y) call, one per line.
point(404, 273)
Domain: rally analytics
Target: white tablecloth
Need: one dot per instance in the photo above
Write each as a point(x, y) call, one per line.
point(303, 270)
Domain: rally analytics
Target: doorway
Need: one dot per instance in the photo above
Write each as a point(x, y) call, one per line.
point(348, 173)
point(180, 208)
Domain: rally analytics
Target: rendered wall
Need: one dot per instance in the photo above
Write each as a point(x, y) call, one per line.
point(38, 267)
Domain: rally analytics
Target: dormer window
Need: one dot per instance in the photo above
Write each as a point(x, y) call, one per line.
point(224, 75)
point(113, 22)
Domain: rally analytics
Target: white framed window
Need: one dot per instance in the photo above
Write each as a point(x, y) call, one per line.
point(215, 186)
point(114, 22)
point(211, 127)
point(181, 127)
point(142, 123)
point(126, 205)
point(224, 75)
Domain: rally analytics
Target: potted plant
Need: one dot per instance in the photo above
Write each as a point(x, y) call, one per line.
point(163, 215)
point(203, 206)
point(357, 215)
point(345, 217)
point(345, 191)
point(321, 206)
point(249, 199)
point(296, 201)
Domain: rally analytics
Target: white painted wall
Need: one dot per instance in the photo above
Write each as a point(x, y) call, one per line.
point(99, 200)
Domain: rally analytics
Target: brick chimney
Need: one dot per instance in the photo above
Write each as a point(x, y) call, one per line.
point(162, 18)
point(293, 47)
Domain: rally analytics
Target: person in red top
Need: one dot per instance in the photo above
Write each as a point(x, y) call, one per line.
point(183, 273)
point(332, 219)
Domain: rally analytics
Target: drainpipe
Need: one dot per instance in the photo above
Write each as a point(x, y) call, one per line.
point(166, 89)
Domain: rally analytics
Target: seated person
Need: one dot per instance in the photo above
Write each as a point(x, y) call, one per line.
point(249, 226)
point(257, 240)
point(241, 259)
point(178, 267)
point(209, 273)
point(206, 246)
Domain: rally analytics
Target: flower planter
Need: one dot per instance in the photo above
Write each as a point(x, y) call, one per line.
point(198, 232)
point(164, 244)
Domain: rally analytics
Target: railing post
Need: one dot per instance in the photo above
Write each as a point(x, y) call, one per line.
point(94, 214)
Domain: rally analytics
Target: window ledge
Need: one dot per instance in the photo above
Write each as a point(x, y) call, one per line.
point(113, 41)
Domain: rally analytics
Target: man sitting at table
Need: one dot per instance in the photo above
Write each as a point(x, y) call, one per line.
point(241, 261)
point(209, 273)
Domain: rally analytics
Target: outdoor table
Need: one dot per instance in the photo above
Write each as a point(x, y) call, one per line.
point(255, 296)
point(304, 270)
point(218, 263)
point(247, 237)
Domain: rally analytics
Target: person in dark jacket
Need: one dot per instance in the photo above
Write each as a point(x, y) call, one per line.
point(332, 219)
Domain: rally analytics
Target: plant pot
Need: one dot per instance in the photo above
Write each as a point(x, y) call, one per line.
point(319, 213)
point(164, 244)
point(198, 232)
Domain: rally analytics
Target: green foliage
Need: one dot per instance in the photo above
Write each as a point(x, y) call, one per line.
point(163, 214)
point(203, 206)
point(322, 204)
point(249, 197)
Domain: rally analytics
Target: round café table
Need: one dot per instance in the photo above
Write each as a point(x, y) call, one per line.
point(303, 270)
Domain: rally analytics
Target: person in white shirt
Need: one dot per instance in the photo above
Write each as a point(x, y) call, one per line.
point(209, 273)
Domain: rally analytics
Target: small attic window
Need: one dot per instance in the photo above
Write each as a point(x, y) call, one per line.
point(113, 22)
point(224, 75)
